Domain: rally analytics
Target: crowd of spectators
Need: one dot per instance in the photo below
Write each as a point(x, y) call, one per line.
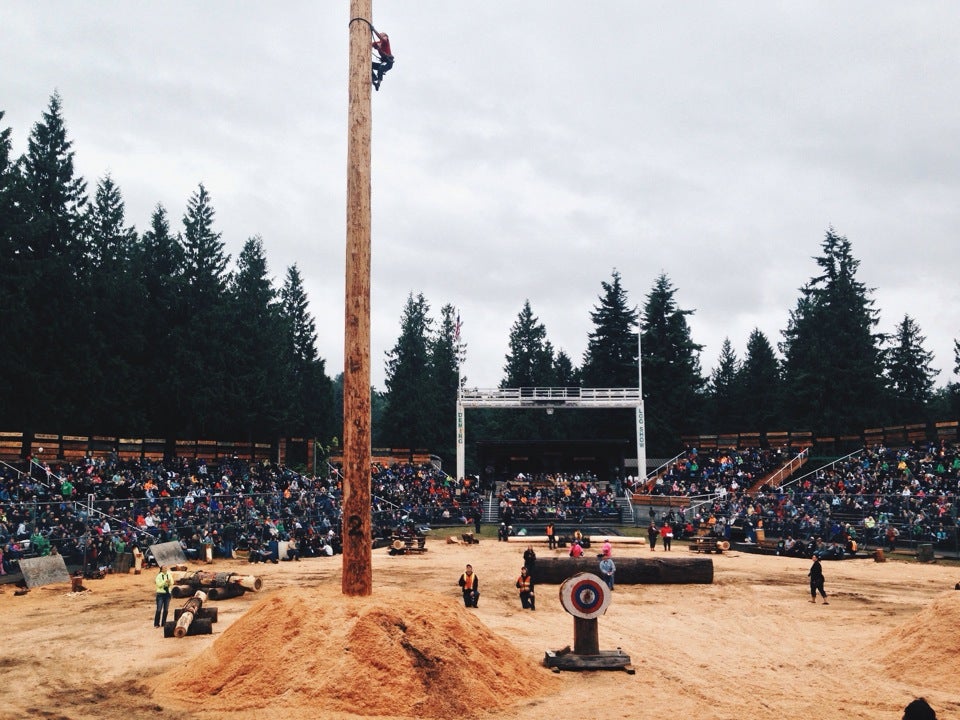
point(715, 472)
point(878, 496)
point(558, 496)
point(92, 511)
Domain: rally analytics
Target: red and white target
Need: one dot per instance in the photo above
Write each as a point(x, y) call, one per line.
point(585, 596)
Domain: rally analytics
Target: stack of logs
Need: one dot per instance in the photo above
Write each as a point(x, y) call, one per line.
point(192, 618)
point(218, 586)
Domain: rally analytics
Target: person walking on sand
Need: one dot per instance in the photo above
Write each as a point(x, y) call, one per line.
point(816, 581)
point(652, 534)
point(530, 560)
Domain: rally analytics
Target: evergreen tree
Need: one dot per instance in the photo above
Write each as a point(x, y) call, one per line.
point(564, 373)
point(672, 383)
point(945, 402)
point(14, 318)
point(611, 356)
point(759, 381)
point(611, 360)
point(909, 375)
point(446, 355)
point(530, 358)
point(309, 395)
point(52, 263)
point(206, 262)
point(724, 391)
point(116, 303)
point(531, 362)
point(255, 379)
point(160, 267)
point(204, 358)
point(832, 359)
point(111, 244)
point(407, 418)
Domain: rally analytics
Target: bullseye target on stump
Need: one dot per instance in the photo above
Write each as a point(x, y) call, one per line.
point(585, 596)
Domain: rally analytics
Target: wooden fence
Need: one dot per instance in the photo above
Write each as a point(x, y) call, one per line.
point(50, 447)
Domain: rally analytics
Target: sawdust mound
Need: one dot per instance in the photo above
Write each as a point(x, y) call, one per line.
point(926, 648)
point(308, 651)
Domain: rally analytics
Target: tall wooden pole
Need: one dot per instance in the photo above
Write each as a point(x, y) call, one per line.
point(356, 530)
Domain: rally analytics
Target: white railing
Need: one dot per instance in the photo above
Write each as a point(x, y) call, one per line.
point(788, 469)
point(536, 395)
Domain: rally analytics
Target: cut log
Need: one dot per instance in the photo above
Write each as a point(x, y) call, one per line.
point(211, 579)
point(630, 571)
point(188, 614)
point(200, 626)
point(226, 592)
point(209, 613)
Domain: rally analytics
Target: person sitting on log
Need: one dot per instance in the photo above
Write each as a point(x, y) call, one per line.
point(293, 551)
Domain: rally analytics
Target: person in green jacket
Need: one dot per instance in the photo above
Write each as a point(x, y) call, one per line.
point(164, 582)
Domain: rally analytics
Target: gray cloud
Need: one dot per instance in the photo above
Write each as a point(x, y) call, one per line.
point(524, 150)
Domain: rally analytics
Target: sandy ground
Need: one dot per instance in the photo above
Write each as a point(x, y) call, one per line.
point(748, 645)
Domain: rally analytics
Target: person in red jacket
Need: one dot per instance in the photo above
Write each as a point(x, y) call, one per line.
point(382, 46)
point(666, 535)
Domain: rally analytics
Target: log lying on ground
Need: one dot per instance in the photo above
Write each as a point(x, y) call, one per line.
point(219, 580)
point(630, 571)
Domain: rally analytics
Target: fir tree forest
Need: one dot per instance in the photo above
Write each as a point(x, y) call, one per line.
point(110, 330)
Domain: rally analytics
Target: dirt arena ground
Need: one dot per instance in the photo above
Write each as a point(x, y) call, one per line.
point(750, 645)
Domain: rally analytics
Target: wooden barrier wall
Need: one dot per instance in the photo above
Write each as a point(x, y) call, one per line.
point(16, 446)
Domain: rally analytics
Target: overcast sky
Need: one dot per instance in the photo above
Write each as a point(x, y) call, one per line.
point(523, 150)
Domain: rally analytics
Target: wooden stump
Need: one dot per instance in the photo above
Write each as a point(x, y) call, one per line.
point(631, 571)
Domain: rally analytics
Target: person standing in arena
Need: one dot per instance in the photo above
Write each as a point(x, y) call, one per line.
point(163, 582)
point(525, 585)
point(816, 581)
point(470, 586)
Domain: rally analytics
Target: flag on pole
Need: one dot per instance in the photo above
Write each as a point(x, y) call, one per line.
point(456, 328)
